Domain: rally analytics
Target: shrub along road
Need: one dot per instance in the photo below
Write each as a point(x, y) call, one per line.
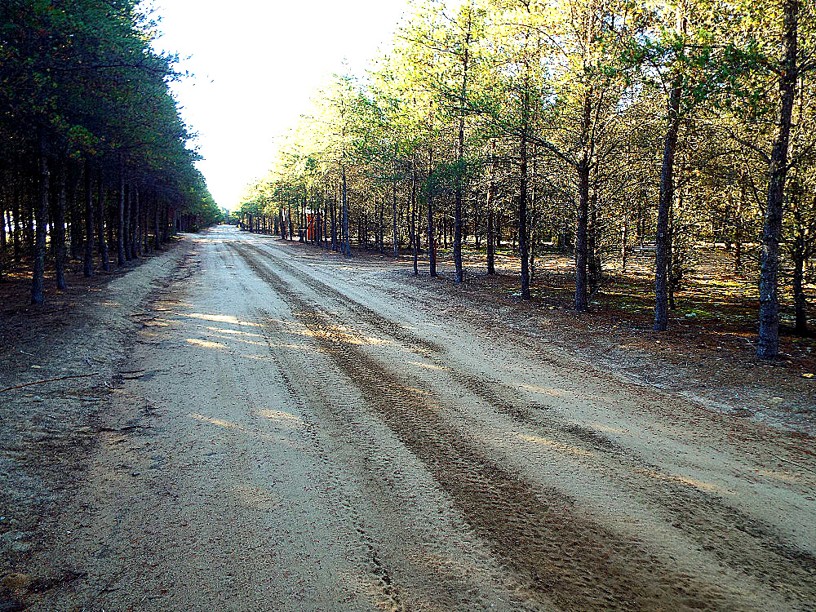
point(290, 431)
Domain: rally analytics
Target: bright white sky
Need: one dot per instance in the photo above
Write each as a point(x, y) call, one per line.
point(256, 64)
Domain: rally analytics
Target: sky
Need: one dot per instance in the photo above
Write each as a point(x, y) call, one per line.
point(256, 64)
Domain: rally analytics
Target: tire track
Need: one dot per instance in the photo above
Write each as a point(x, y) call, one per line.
point(560, 554)
point(385, 591)
point(364, 313)
point(290, 374)
point(379, 484)
point(734, 538)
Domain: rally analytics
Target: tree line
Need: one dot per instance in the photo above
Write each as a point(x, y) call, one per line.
point(599, 127)
point(94, 161)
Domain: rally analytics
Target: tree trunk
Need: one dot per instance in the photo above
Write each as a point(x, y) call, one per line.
point(74, 207)
point(137, 224)
point(458, 275)
point(146, 226)
point(533, 217)
point(3, 238)
point(291, 227)
point(325, 223)
point(29, 234)
point(157, 227)
point(594, 263)
point(100, 224)
point(129, 222)
point(334, 245)
point(490, 206)
point(431, 230)
point(132, 230)
point(12, 236)
point(459, 272)
point(120, 219)
point(394, 207)
point(522, 220)
point(41, 213)
point(414, 228)
point(768, 345)
point(345, 212)
point(58, 226)
point(663, 239)
point(581, 296)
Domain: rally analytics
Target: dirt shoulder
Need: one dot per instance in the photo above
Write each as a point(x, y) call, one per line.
point(708, 361)
point(65, 358)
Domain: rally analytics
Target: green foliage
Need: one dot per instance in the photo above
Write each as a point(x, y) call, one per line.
point(81, 75)
point(571, 85)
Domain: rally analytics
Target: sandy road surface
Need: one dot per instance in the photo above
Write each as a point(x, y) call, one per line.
point(292, 433)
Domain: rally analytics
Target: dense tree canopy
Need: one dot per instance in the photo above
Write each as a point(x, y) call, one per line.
point(591, 126)
point(91, 141)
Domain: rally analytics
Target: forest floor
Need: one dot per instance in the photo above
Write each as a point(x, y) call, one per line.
point(242, 423)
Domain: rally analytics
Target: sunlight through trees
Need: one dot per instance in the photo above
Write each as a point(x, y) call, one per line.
point(594, 128)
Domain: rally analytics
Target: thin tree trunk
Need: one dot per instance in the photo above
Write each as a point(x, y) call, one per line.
point(325, 222)
point(414, 228)
point(157, 227)
point(581, 295)
point(394, 206)
point(345, 212)
point(522, 220)
point(595, 271)
point(129, 222)
point(133, 230)
point(491, 213)
point(533, 223)
point(334, 222)
point(459, 273)
point(289, 220)
point(431, 231)
point(663, 239)
point(146, 226)
point(120, 219)
point(75, 208)
point(29, 237)
point(3, 239)
point(137, 223)
point(41, 213)
point(768, 345)
point(12, 235)
point(104, 256)
point(58, 226)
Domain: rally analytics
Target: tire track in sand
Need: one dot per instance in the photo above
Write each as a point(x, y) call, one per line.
point(562, 556)
point(734, 538)
point(388, 596)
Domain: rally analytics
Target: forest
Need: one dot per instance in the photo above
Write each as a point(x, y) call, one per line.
point(95, 162)
point(677, 130)
point(519, 318)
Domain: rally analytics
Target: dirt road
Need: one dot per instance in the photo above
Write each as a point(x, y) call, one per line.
point(294, 433)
